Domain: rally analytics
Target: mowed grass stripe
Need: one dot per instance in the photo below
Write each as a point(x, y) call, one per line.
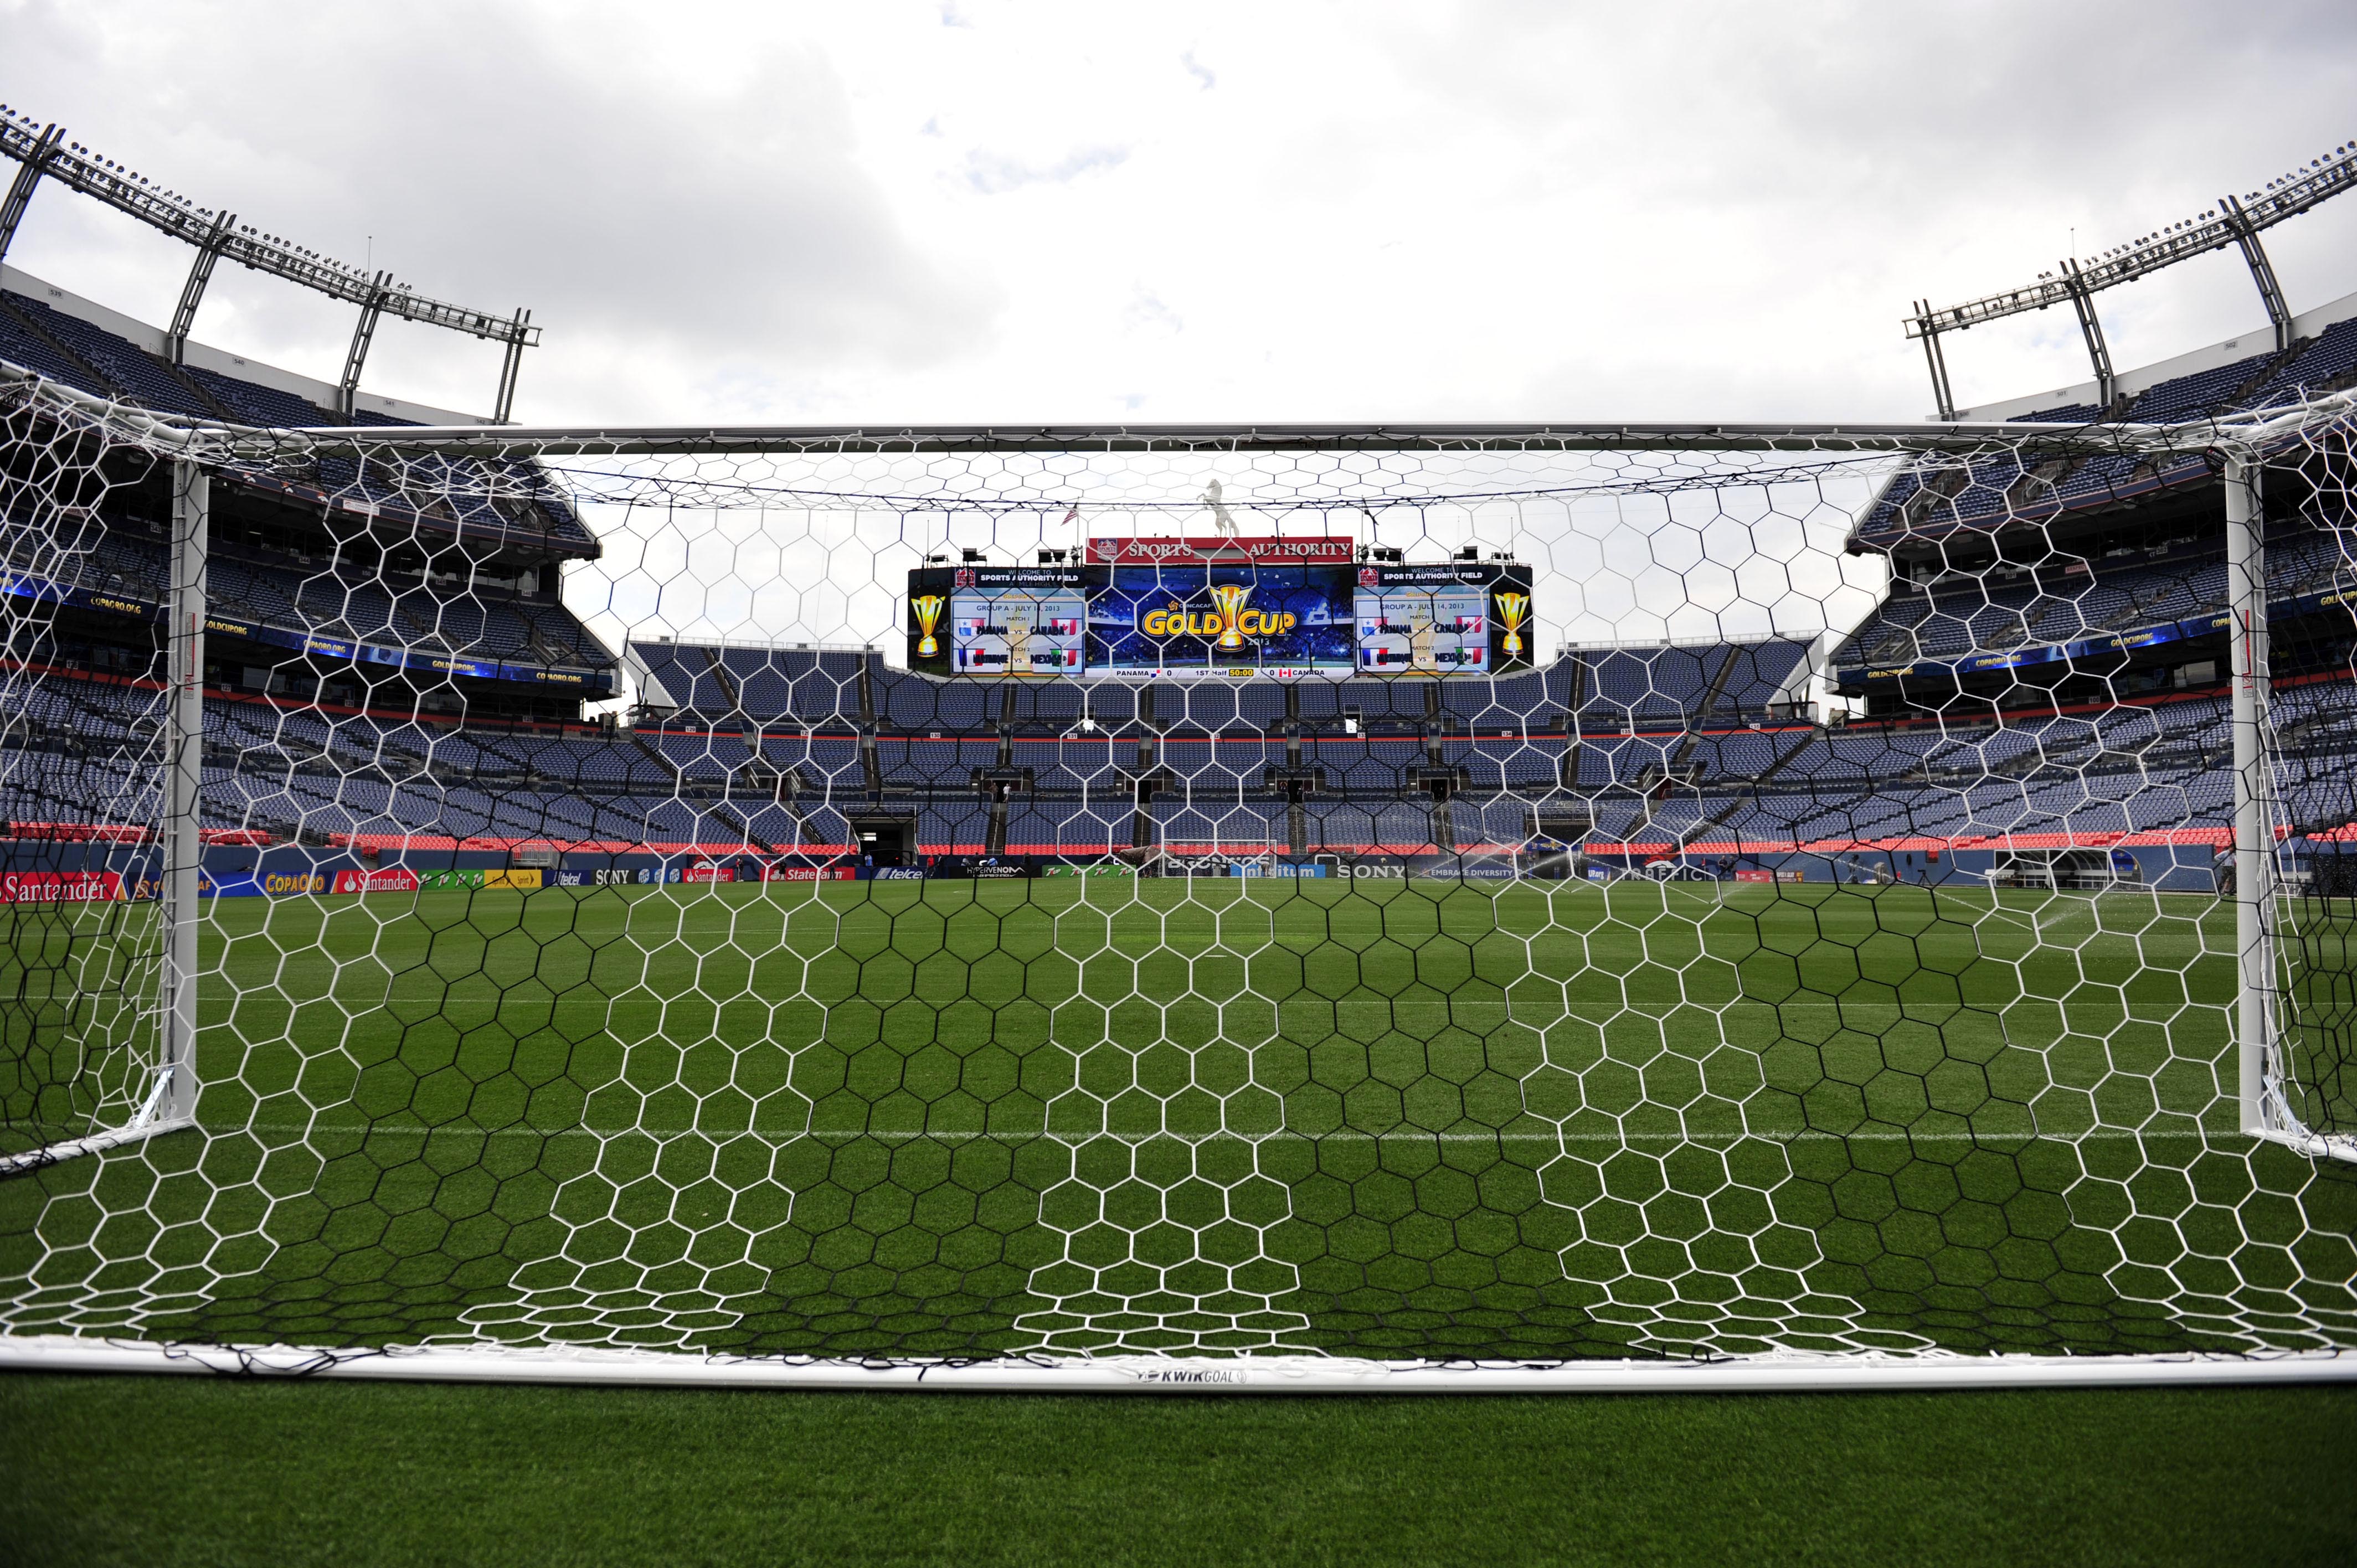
point(507, 977)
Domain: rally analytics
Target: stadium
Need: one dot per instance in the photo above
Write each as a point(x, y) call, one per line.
point(1117, 908)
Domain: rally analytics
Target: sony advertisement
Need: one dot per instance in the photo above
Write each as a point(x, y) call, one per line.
point(1191, 609)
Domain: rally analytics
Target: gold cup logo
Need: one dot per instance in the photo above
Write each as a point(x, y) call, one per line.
point(1229, 599)
point(929, 615)
point(1512, 609)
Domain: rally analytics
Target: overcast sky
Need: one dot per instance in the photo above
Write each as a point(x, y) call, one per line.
point(1264, 210)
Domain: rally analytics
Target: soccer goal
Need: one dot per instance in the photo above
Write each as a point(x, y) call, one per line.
point(1241, 907)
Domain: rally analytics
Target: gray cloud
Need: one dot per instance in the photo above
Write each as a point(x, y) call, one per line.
point(1842, 159)
point(995, 174)
point(1511, 208)
point(724, 223)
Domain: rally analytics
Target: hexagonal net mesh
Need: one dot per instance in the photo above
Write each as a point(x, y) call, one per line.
point(940, 897)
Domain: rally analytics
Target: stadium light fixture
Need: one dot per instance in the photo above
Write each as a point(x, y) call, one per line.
point(47, 153)
point(2231, 222)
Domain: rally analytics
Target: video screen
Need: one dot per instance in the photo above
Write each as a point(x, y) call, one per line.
point(1463, 619)
point(1180, 621)
point(996, 621)
point(1190, 611)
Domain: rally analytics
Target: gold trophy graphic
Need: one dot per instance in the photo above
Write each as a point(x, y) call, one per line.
point(1511, 610)
point(929, 615)
point(1230, 598)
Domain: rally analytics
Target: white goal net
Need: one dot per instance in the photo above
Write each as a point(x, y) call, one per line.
point(1284, 907)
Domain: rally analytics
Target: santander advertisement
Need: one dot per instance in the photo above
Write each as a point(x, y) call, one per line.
point(59, 886)
point(392, 879)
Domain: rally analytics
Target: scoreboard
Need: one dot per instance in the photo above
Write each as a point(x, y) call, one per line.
point(1190, 609)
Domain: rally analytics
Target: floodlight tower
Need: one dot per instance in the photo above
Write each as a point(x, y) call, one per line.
point(2235, 222)
point(43, 152)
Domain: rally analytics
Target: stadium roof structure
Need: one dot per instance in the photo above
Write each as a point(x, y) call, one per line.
point(45, 152)
point(2233, 222)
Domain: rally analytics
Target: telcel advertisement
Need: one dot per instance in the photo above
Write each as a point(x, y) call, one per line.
point(1214, 608)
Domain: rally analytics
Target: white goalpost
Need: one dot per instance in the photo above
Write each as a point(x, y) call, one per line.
point(909, 907)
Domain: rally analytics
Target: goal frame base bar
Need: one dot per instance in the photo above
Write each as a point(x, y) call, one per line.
point(96, 1142)
point(2315, 1146)
point(1786, 1372)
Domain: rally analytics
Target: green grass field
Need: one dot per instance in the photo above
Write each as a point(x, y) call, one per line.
point(155, 1471)
point(1418, 1120)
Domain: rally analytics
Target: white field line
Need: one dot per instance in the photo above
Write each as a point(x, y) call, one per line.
point(2099, 1135)
point(1587, 1011)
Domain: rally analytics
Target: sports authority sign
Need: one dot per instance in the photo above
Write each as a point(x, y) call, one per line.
point(1195, 551)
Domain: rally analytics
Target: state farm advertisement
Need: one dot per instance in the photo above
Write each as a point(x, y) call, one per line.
point(392, 879)
point(59, 886)
point(809, 873)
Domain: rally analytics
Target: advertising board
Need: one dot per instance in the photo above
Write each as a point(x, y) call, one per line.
point(1196, 550)
point(59, 886)
point(473, 880)
point(392, 879)
point(1484, 871)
